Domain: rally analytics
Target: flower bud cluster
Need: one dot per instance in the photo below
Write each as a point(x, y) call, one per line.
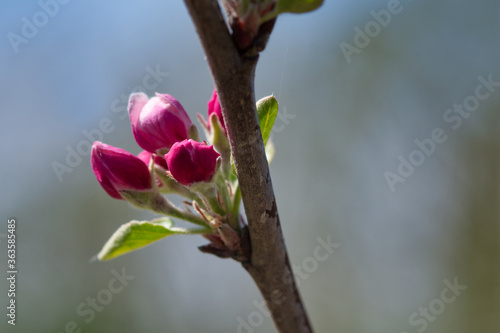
point(174, 160)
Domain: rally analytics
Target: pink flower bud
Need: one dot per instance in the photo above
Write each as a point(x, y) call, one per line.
point(118, 170)
point(214, 107)
point(145, 156)
point(191, 162)
point(158, 122)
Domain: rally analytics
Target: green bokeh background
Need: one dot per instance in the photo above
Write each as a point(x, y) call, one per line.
point(343, 124)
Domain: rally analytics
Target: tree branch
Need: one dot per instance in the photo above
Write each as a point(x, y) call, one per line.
point(233, 74)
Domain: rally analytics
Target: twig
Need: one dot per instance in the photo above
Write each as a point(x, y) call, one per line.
point(233, 74)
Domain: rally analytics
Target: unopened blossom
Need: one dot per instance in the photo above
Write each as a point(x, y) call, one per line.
point(214, 107)
point(118, 170)
point(157, 122)
point(191, 162)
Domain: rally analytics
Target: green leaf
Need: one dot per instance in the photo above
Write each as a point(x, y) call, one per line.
point(267, 110)
point(297, 6)
point(135, 235)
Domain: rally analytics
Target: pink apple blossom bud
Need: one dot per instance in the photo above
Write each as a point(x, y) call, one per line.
point(158, 122)
point(214, 107)
point(145, 156)
point(191, 162)
point(118, 170)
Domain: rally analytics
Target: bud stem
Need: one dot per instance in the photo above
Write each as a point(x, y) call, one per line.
point(235, 212)
point(173, 186)
point(226, 164)
point(211, 196)
point(162, 206)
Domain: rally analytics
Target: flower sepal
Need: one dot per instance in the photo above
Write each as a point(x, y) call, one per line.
point(221, 143)
point(193, 133)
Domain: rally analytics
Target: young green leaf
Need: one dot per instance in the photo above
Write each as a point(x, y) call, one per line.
point(267, 110)
point(135, 235)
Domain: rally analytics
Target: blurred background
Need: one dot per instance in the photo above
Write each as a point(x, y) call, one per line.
point(418, 249)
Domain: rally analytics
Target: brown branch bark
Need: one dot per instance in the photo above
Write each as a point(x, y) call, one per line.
point(234, 74)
